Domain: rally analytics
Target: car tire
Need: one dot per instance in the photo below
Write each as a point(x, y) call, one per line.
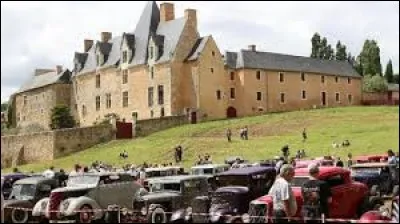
point(19, 216)
point(85, 214)
point(158, 216)
point(395, 191)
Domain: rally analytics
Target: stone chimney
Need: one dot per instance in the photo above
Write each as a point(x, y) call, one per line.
point(167, 12)
point(59, 69)
point(191, 17)
point(106, 36)
point(87, 44)
point(252, 47)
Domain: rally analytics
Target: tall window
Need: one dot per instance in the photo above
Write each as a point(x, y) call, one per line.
point(303, 95)
point(124, 76)
point(25, 100)
point(212, 70)
point(303, 76)
point(258, 75)
point(108, 100)
point(152, 72)
point(125, 98)
point(322, 79)
point(337, 96)
point(281, 77)
point(98, 81)
point(160, 94)
point(124, 56)
point(349, 80)
point(350, 98)
point(282, 97)
point(162, 112)
point(218, 94)
point(233, 93)
point(232, 75)
point(336, 79)
point(84, 112)
point(97, 103)
point(151, 113)
point(150, 96)
point(259, 96)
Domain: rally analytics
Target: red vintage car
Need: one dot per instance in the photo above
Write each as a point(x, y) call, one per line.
point(322, 161)
point(370, 158)
point(388, 213)
point(349, 198)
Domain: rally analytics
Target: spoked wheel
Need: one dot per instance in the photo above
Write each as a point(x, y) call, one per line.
point(85, 214)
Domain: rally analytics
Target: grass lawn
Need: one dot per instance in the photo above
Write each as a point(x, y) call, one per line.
point(369, 129)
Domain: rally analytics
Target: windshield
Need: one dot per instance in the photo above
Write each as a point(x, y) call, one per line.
point(83, 180)
point(157, 187)
point(299, 181)
point(371, 170)
point(23, 191)
point(201, 171)
point(223, 181)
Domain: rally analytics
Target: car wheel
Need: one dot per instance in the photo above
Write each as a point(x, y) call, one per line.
point(395, 191)
point(85, 214)
point(19, 216)
point(158, 216)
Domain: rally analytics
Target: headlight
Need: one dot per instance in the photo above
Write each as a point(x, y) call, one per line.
point(143, 211)
point(215, 216)
point(189, 210)
point(246, 218)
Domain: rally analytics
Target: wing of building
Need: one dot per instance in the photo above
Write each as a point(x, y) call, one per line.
point(164, 67)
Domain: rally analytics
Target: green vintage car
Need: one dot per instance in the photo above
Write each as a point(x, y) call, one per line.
point(168, 195)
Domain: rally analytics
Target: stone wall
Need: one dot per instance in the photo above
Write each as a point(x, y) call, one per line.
point(146, 127)
point(20, 149)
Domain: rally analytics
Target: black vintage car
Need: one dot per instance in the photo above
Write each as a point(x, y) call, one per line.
point(8, 180)
point(168, 195)
point(25, 193)
point(236, 188)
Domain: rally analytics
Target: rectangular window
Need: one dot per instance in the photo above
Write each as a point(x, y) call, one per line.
point(150, 96)
point(108, 100)
point(322, 79)
point(350, 98)
point(258, 75)
point(151, 114)
point(349, 80)
point(337, 97)
point(303, 95)
point(336, 79)
point(152, 72)
point(160, 94)
point(84, 110)
point(124, 76)
point(259, 96)
point(125, 98)
point(25, 100)
point(98, 81)
point(232, 75)
point(282, 97)
point(232, 93)
point(281, 77)
point(218, 94)
point(124, 57)
point(212, 70)
point(303, 76)
point(97, 103)
point(162, 112)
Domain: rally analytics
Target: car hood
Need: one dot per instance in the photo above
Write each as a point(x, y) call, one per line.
point(159, 196)
point(18, 203)
point(74, 188)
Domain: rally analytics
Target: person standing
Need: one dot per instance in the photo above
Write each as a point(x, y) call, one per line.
point(304, 135)
point(285, 152)
point(349, 160)
point(392, 161)
point(49, 173)
point(316, 195)
point(284, 203)
point(339, 162)
point(229, 134)
point(246, 133)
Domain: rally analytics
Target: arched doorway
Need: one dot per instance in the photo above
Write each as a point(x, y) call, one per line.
point(231, 112)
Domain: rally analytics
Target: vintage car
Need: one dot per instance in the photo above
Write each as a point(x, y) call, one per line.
point(171, 194)
point(233, 159)
point(322, 161)
point(377, 176)
point(209, 169)
point(389, 212)
point(8, 180)
point(88, 193)
point(156, 172)
point(370, 158)
point(25, 193)
point(235, 189)
point(349, 198)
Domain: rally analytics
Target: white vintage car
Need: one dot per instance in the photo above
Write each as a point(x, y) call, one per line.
point(89, 193)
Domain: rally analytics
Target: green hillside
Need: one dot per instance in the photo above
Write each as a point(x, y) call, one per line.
point(369, 130)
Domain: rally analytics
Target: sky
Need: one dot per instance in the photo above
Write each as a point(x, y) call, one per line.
point(46, 34)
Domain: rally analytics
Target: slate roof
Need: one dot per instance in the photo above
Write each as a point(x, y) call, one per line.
point(171, 30)
point(198, 48)
point(283, 62)
point(38, 81)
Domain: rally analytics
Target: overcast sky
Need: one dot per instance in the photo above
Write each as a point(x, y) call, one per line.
point(44, 34)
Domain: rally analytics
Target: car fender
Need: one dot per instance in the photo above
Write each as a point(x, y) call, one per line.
point(39, 209)
point(178, 215)
point(76, 203)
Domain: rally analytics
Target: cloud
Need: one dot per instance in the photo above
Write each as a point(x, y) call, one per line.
point(44, 34)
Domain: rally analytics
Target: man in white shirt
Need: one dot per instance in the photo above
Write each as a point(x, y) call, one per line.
point(49, 173)
point(284, 202)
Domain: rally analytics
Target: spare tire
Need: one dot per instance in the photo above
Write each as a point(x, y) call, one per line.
point(158, 216)
point(19, 216)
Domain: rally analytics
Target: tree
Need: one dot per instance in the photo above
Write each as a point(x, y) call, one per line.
point(374, 83)
point(61, 117)
point(389, 72)
point(351, 59)
point(323, 48)
point(315, 45)
point(370, 59)
point(329, 53)
point(341, 54)
point(396, 78)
